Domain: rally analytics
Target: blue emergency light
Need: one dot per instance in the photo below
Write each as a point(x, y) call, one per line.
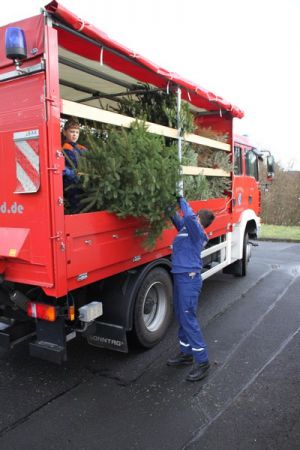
point(15, 44)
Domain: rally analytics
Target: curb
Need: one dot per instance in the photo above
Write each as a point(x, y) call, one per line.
point(296, 241)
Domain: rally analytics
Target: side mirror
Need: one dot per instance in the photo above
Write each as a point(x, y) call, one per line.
point(270, 167)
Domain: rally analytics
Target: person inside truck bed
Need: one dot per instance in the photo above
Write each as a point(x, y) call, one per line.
point(72, 151)
point(187, 284)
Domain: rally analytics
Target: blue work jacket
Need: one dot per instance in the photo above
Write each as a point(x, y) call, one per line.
point(71, 181)
point(189, 242)
point(72, 152)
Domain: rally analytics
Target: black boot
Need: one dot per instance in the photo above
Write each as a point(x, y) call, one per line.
point(182, 359)
point(198, 372)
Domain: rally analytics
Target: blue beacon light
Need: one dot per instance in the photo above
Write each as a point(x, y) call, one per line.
point(15, 45)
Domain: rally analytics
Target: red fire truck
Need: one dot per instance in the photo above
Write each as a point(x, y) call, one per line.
point(65, 274)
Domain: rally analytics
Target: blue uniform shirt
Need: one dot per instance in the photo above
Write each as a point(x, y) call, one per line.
point(72, 151)
point(71, 181)
point(189, 242)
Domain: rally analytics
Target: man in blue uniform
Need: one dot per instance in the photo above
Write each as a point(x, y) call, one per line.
point(187, 284)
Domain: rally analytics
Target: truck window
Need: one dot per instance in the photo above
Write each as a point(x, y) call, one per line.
point(251, 164)
point(237, 160)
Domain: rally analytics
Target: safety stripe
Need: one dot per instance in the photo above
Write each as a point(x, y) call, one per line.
point(27, 166)
point(183, 344)
point(198, 349)
point(26, 184)
point(182, 234)
point(29, 153)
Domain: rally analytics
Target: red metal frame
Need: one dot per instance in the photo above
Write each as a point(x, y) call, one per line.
point(56, 165)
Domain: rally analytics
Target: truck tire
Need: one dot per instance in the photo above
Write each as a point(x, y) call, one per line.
point(246, 256)
point(153, 307)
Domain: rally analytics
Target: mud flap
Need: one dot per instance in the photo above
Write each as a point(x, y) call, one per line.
point(234, 268)
point(51, 341)
point(107, 335)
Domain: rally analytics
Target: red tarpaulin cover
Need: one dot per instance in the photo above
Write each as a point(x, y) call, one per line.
point(136, 65)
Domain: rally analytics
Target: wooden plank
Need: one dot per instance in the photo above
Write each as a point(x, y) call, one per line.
point(192, 170)
point(101, 115)
point(196, 139)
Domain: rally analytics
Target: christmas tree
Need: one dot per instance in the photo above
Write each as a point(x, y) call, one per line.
point(130, 173)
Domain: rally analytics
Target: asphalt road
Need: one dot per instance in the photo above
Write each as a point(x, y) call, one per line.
point(105, 400)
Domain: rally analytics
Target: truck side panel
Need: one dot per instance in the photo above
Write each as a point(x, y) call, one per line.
point(99, 244)
point(25, 244)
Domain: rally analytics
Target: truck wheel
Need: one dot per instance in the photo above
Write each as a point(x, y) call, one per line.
point(153, 307)
point(246, 256)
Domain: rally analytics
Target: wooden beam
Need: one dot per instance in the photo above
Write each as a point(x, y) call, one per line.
point(207, 171)
point(196, 139)
point(101, 115)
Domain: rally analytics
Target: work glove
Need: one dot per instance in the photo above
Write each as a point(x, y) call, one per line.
point(71, 175)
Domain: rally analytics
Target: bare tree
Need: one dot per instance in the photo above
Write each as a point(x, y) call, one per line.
point(281, 199)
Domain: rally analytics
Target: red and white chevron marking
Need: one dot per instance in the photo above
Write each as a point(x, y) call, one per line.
point(27, 165)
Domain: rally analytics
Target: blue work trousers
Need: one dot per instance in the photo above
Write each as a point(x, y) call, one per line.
point(186, 291)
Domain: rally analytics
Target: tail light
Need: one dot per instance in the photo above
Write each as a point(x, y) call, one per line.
point(41, 311)
point(71, 312)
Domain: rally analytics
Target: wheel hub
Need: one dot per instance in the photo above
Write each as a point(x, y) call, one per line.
point(155, 306)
